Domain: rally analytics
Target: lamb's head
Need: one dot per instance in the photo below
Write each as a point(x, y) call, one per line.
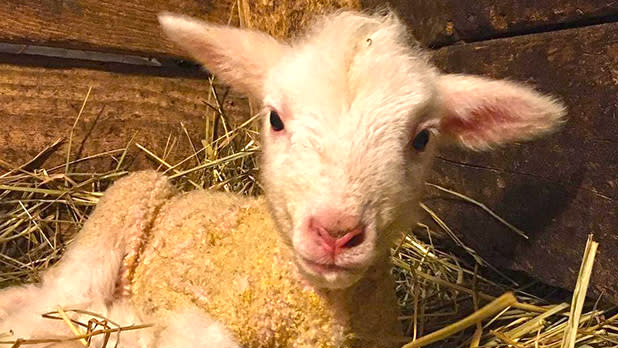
point(352, 116)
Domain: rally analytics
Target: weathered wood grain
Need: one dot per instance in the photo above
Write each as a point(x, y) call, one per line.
point(558, 189)
point(109, 25)
point(440, 22)
point(40, 104)
point(132, 27)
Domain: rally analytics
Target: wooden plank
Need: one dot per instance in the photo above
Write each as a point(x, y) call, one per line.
point(131, 26)
point(40, 104)
point(558, 189)
point(440, 22)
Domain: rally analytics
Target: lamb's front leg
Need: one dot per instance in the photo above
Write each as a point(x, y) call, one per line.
point(111, 238)
point(92, 269)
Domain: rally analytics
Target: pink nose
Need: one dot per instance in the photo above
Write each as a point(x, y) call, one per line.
point(336, 232)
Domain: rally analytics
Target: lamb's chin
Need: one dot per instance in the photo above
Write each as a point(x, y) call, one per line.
point(328, 277)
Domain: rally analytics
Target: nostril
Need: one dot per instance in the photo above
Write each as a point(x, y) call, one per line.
point(351, 239)
point(355, 241)
point(325, 239)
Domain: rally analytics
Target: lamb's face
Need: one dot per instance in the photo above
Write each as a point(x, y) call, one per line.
point(351, 115)
point(345, 153)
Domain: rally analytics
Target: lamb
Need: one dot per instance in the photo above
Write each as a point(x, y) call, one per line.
point(352, 117)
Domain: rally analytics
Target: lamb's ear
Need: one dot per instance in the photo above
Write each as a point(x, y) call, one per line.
point(481, 113)
point(239, 57)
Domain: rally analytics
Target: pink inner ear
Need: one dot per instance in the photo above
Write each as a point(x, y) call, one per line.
point(488, 125)
point(478, 121)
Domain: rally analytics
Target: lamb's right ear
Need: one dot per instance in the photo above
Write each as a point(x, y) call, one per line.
point(239, 57)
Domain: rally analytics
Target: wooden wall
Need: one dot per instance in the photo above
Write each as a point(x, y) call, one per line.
point(132, 27)
point(40, 97)
point(558, 189)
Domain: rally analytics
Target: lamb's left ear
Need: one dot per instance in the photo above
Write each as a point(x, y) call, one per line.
point(481, 113)
point(239, 57)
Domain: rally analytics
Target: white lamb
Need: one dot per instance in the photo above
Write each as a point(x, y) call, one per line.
point(352, 117)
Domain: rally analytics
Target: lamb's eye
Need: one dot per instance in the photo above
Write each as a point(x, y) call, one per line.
point(421, 140)
point(275, 121)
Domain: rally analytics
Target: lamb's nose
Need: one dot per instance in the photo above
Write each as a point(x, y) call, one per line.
point(336, 231)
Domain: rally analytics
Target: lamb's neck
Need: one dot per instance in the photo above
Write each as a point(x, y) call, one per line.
point(370, 305)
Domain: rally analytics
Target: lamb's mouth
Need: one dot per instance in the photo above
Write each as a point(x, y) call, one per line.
point(326, 268)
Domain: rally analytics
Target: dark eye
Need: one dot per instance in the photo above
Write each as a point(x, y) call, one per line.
point(275, 121)
point(421, 140)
